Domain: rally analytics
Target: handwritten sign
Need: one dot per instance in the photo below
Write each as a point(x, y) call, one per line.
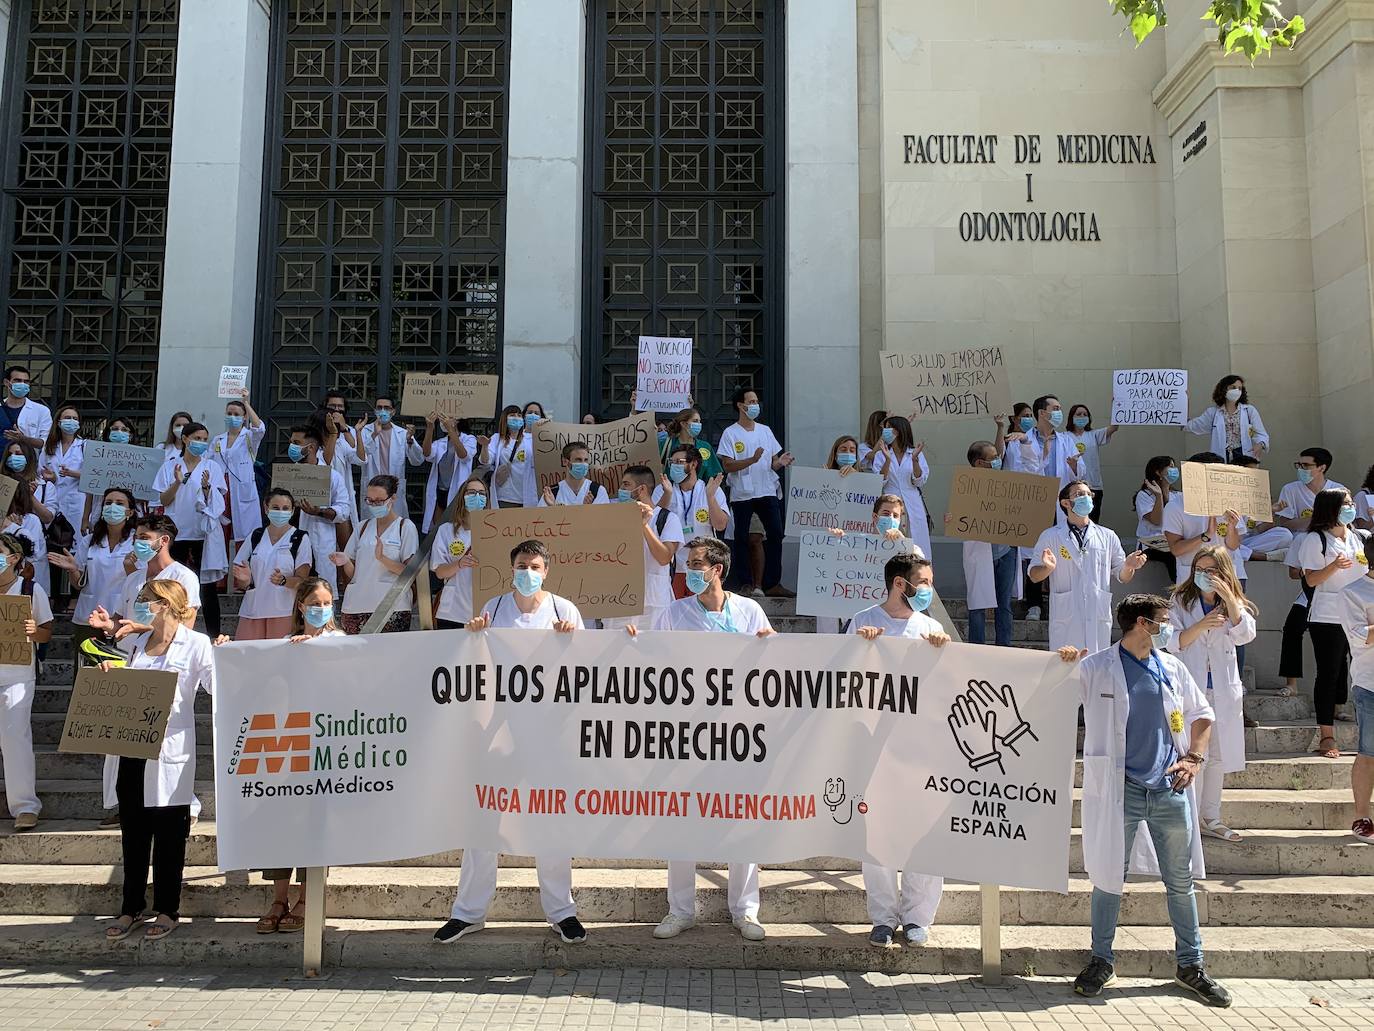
point(1000, 507)
point(664, 382)
point(1211, 490)
point(967, 384)
point(8, 485)
point(109, 465)
point(597, 555)
point(839, 576)
point(614, 447)
point(1150, 397)
point(306, 482)
point(122, 712)
point(233, 381)
point(15, 647)
point(819, 499)
point(459, 395)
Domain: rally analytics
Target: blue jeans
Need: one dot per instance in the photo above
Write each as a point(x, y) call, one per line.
point(1169, 820)
point(1004, 581)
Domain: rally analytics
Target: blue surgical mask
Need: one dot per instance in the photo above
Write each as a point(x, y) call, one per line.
point(1080, 422)
point(887, 522)
point(514, 422)
point(1202, 580)
point(1160, 640)
point(845, 459)
point(1026, 423)
point(379, 511)
point(1347, 515)
point(114, 513)
point(532, 420)
point(119, 436)
point(752, 411)
point(144, 550)
point(233, 422)
point(319, 616)
point(889, 434)
point(17, 462)
point(1171, 474)
point(4, 562)
point(1057, 418)
point(383, 415)
point(474, 502)
point(198, 447)
point(694, 428)
point(921, 598)
point(662, 436)
point(995, 463)
point(528, 582)
point(1304, 476)
point(19, 390)
point(579, 470)
point(697, 581)
point(69, 425)
point(279, 516)
point(143, 612)
point(295, 452)
point(677, 472)
point(624, 495)
point(1083, 505)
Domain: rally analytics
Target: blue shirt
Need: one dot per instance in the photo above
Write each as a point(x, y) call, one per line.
point(1149, 744)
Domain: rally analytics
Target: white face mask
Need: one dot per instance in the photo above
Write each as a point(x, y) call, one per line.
point(1233, 394)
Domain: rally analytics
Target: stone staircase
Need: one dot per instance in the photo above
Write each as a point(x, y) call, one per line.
point(1292, 900)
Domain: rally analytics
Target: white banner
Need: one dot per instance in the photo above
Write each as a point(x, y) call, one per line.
point(821, 499)
point(954, 761)
point(839, 576)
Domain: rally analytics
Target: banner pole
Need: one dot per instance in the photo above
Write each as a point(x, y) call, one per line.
point(315, 883)
point(991, 933)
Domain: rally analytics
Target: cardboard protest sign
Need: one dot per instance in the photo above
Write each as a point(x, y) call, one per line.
point(306, 482)
point(8, 485)
point(614, 446)
point(820, 499)
point(459, 395)
point(597, 555)
point(122, 712)
point(664, 379)
point(967, 384)
point(107, 465)
point(1150, 397)
point(233, 381)
point(839, 576)
point(1001, 507)
point(15, 647)
point(1211, 490)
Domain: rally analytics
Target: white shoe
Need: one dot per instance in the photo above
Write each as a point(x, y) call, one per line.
point(1033, 612)
point(672, 925)
point(749, 928)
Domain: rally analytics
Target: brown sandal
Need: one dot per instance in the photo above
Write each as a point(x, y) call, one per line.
point(158, 930)
point(293, 921)
point(1331, 752)
point(271, 923)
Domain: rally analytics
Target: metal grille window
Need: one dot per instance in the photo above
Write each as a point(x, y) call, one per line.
point(385, 218)
point(89, 131)
point(685, 216)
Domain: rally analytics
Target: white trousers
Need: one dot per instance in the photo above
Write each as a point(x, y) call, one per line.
point(16, 747)
point(920, 897)
point(742, 894)
point(477, 886)
point(1275, 539)
point(1209, 783)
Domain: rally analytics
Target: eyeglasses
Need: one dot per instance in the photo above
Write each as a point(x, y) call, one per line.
point(1304, 465)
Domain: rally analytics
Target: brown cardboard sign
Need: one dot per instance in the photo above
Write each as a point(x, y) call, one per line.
point(1212, 490)
point(459, 395)
point(15, 647)
point(123, 712)
point(1001, 507)
point(306, 482)
point(614, 446)
point(970, 383)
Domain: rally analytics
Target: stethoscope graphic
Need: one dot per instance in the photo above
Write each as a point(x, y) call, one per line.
point(834, 797)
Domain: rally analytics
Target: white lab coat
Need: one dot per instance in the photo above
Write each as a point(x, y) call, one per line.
point(398, 454)
point(1213, 421)
point(236, 459)
point(1215, 651)
point(171, 780)
point(978, 577)
point(65, 495)
point(35, 420)
point(905, 477)
point(448, 471)
point(520, 460)
point(1106, 706)
point(1081, 586)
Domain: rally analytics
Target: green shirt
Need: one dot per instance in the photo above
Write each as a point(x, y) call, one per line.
point(710, 464)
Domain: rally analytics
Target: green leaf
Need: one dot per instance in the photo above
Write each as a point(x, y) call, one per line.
point(1142, 25)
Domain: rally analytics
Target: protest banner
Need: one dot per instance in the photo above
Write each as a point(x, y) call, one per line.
point(15, 647)
point(8, 485)
point(233, 381)
point(664, 379)
point(459, 395)
point(1150, 397)
point(309, 483)
point(1211, 490)
point(614, 447)
point(1000, 507)
point(669, 746)
point(122, 712)
point(821, 499)
point(966, 384)
point(109, 465)
point(596, 553)
point(839, 576)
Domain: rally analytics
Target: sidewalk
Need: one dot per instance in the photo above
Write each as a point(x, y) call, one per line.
point(630, 1000)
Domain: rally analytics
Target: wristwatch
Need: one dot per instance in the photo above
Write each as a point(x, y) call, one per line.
point(1206, 538)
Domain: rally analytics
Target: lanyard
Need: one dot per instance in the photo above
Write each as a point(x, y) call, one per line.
point(688, 509)
point(1154, 667)
point(720, 620)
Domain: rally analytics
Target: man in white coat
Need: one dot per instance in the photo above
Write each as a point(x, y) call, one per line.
point(22, 418)
point(318, 522)
point(387, 448)
point(1147, 727)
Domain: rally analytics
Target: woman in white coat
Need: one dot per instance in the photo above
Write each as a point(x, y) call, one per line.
point(59, 464)
point(452, 560)
point(1079, 558)
point(17, 690)
point(901, 462)
point(235, 450)
point(155, 796)
point(1232, 422)
point(510, 457)
point(450, 461)
point(1213, 618)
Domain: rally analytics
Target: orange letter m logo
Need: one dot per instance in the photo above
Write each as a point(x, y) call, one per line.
point(263, 739)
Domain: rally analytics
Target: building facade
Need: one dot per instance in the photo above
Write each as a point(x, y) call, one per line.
point(338, 191)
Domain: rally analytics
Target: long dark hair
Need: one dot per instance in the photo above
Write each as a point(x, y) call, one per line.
point(1224, 384)
point(1086, 411)
point(1326, 509)
point(505, 432)
point(1154, 473)
point(120, 420)
point(101, 531)
point(282, 492)
point(901, 429)
point(1368, 485)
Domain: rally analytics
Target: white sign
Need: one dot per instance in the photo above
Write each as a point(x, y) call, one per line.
point(671, 746)
point(1150, 397)
point(233, 381)
point(839, 576)
point(664, 383)
point(822, 499)
point(107, 465)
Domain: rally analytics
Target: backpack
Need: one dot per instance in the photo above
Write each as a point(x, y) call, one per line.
point(297, 535)
point(659, 523)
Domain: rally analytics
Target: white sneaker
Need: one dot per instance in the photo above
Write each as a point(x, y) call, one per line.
point(1033, 612)
point(672, 925)
point(749, 928)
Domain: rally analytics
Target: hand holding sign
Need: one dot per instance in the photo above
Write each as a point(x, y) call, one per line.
point(664, 376)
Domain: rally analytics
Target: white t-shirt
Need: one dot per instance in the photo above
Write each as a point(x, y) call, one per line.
point(1357, 614)
point(104, 568)
point(186, 508)
point(450, 544)
point(563, 495)
point(133, 583)
point(519, 457)
point(658, 579)
point(1296, 499)
point(1176, 520)
point(918, 624)
point(266, 600)
point(372, 581)
point(1362, 510)
point(1326, 597)
point(42, 613)
point(759, 480)
point(1144, 505)
point(1085, 447)
point(505, 614)
point(693, 512)
point(738, 616)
